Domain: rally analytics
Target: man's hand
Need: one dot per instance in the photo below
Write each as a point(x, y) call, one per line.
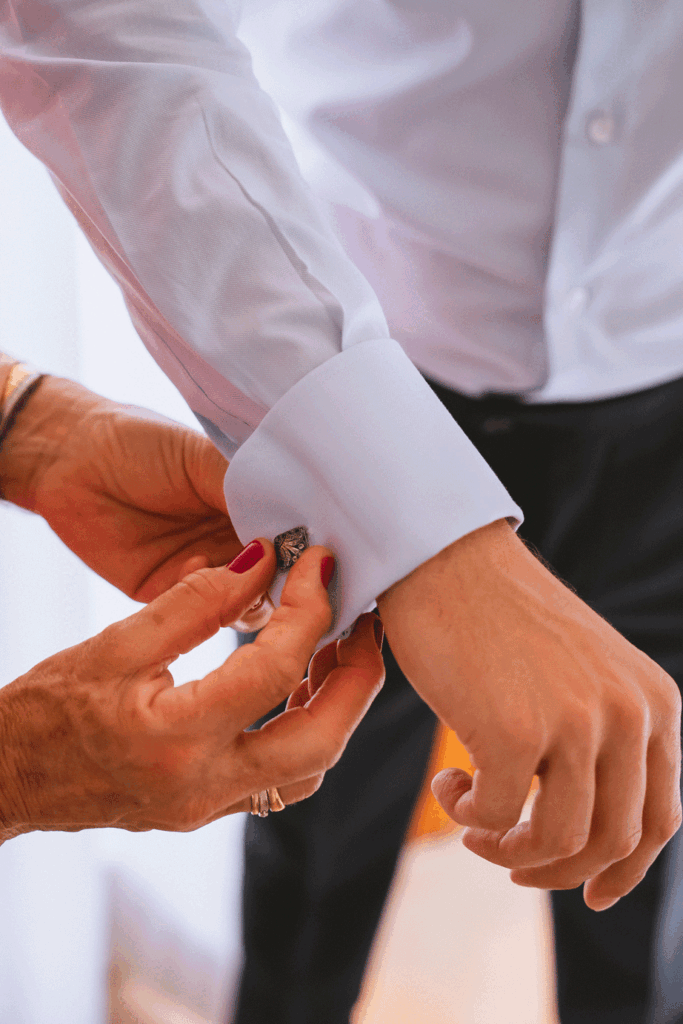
point(137, 497)
point(535, 683)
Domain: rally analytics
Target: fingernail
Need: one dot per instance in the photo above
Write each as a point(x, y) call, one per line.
point(247, 558)
point(379, 633)
point(326, 569)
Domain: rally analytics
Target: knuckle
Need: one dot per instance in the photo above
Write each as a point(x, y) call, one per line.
point(571, 844)
point(580, 726)
point(326, 749)
point(256, 763)
point(277, 672)
point(522, 739)
point(669, 690)
point(665, 701)
point(624, 846)
point(106, 648)
point(631, 717)
point(201, 584)
point(496, 820)
point(112, 636)
point(286, 670)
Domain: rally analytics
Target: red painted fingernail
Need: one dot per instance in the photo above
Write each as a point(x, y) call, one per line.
point(248, 558)
point(327, 567)
point(379, 633)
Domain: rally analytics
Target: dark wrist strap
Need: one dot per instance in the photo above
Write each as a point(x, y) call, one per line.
point(20, 385)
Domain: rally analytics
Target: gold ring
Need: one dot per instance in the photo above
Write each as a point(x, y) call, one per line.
point(266, 800)
point(275, 800)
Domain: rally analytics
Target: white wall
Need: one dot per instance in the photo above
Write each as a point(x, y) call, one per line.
point(60, 310)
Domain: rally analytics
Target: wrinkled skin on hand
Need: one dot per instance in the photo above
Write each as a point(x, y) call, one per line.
point(137, 497)
point(98, 736)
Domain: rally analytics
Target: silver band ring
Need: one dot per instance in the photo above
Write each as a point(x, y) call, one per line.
point(266, 800)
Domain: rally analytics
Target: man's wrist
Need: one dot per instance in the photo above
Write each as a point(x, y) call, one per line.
point(490, 542)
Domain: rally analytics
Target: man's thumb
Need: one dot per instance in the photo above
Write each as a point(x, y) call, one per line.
point(449, 786)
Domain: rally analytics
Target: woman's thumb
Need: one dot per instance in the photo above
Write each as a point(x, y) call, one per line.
point(194, 609)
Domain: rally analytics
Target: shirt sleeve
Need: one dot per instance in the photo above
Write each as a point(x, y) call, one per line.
point(175, 164)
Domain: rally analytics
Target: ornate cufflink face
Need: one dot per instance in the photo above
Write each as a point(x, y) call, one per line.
point(290, 546)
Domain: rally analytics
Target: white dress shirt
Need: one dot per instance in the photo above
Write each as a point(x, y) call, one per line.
point(513, 192)
point(508, 174)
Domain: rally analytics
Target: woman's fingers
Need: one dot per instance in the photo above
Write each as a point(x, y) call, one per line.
point(191, 611)
point(321, 665)
point(295, 792)
point(278, 750)
point(307, 740)
point(205, 467)
point(299, 697)
point(257, 677)
point(290, 794)
point(192, 564)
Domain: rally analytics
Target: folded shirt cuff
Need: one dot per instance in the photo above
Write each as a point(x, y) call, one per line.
point(364, 455)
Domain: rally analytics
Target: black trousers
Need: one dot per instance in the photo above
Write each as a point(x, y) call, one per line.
point(601, 486)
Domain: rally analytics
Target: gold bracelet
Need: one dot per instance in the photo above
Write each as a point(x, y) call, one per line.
point(19, 386)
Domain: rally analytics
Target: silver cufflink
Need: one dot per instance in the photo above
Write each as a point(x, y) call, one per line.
point(290, 546)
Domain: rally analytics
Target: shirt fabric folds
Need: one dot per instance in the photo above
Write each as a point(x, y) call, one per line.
point(502, 210)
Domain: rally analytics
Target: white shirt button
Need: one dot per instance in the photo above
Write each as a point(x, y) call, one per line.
point(577, 300)
point(600, 129)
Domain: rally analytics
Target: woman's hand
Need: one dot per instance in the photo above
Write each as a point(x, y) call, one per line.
point(98, 736)
point(137, 497)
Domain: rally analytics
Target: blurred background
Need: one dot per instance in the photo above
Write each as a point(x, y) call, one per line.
point(60, 894)
point(110, 927)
